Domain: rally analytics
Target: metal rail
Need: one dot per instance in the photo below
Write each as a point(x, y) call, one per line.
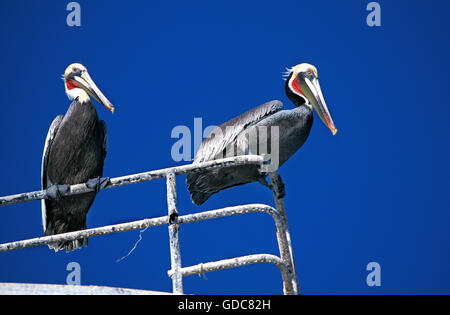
point(137, 178)
point(285, 262)
point(236, 262)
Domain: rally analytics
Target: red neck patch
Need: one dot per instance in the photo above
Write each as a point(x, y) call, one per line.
point(295, 86)
point(71, 85)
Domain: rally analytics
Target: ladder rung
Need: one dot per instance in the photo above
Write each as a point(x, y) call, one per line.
point(236, 262)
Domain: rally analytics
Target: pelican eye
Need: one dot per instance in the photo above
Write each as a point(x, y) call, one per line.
point(76, 71)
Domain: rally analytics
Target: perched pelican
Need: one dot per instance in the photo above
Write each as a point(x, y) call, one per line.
point(74, 152)
point(303, 89)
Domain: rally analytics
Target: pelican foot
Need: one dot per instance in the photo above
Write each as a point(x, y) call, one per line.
point(278, 187)
point(56, 192)
point(281, 188)
point(98, 183)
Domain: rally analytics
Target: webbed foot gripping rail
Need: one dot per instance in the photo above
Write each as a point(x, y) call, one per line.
point(285, 262)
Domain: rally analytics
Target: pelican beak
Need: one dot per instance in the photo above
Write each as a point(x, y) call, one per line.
point(311, 89)
point(87, 84)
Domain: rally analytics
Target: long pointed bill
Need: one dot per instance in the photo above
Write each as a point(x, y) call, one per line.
point(87, 84)
point(311, 89)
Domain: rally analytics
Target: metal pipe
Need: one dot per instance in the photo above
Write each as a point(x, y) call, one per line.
point(237, 262)
point(70, 236)
point(138, 178)
point(286, 263)
point(284, 235)
point(174, 229)
point(140, 224)
point(159, 221)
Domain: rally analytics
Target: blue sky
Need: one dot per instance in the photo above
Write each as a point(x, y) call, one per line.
point(377, 191)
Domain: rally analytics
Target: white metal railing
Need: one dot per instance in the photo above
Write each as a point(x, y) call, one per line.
point(285, 262)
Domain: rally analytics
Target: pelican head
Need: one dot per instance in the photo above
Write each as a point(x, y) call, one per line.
point(78, 83)
point(302, 87)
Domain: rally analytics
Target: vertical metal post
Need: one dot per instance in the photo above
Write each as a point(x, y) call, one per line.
point(174, 229)
point(286, 255)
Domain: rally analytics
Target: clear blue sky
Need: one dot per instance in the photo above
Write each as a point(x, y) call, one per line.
point(377, 191)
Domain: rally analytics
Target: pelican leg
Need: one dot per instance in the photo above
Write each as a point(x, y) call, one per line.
point(98, 183)
point(277, 187)
point(56, 192)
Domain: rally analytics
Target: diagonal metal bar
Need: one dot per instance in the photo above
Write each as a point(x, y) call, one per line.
point(141, 224)
point(284, 236)
point(138, 178)
point(104, 230)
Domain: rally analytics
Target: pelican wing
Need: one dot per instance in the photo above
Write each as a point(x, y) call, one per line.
point(222, 136)
point(48, 145)
point(105, 137)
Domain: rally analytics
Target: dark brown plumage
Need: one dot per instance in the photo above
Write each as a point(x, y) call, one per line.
point(294, 126)
point(250, 132)
point(75, 152)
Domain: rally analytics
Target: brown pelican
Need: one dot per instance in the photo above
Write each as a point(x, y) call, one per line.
point(74, 152)
point(303, 89)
